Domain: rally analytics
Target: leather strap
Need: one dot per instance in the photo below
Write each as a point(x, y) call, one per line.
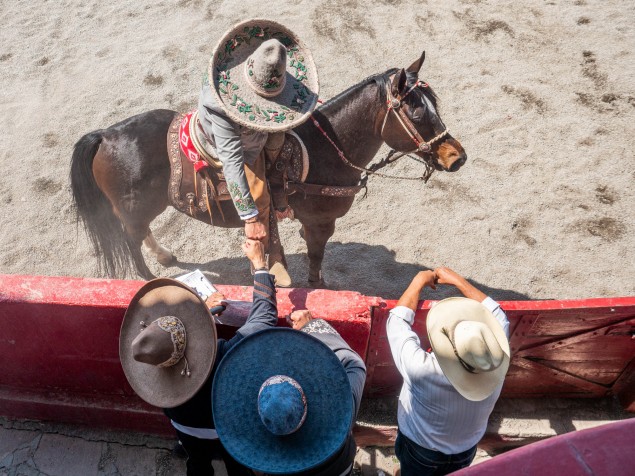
point(325, 190)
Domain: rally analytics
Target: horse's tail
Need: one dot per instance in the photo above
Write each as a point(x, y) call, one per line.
point(104, 229)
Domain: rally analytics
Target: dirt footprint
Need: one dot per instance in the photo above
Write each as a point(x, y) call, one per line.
point(606, 195)
point(606, 228)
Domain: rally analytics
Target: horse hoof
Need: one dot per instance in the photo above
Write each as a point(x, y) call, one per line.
point(318, 284)
point(166, 260)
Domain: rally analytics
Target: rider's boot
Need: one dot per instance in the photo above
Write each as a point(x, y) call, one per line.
point(277, 261)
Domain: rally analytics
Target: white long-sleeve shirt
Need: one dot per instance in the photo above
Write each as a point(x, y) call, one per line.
point(431, 412)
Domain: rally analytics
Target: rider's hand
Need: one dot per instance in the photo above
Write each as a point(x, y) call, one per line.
point(255, 252)
point(300, 318)
point(255, 231)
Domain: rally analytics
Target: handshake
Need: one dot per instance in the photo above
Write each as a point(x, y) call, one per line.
point(255, 252)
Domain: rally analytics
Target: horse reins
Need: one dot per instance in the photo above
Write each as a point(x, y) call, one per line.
point(423, 146)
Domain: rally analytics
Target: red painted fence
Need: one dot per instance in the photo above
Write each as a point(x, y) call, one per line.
point(59, 347)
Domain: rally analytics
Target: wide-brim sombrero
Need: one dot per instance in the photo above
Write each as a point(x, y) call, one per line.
point(447, 314)
point(166, 387)
point(238, 378)
point(237, 97)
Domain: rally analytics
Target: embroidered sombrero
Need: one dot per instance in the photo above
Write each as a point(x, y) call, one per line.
point(263, 76)
point(470, 346)
point(167, 343)
point(282, 402)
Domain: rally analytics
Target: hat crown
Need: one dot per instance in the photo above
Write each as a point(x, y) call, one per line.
point(476, 344)
point(152, 346)
point(282, 405)
point(162, 343)
point(266, 68)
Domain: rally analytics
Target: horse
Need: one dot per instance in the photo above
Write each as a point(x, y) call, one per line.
point(119, 175)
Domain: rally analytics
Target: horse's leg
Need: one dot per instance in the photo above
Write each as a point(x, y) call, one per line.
point(316, 235)
point(136, 235)
point(162, 254)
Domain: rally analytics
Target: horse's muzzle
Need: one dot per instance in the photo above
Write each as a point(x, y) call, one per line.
point(458, 163)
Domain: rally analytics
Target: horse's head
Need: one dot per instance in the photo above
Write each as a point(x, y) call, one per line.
point(412, 123)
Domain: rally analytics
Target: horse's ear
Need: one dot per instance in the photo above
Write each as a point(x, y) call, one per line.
point(416, 66)
point(398, 83)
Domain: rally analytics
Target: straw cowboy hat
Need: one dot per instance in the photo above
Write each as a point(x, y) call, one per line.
point(263, 76)
point(282, 402)
point(470, 346)
point(167, 343)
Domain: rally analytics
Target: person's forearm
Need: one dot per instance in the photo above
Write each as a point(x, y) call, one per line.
point(410, 297)
point(469, 291)
point(264, 313)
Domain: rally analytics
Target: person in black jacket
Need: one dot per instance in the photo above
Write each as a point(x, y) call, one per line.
point(169, 353)
point(193, 420)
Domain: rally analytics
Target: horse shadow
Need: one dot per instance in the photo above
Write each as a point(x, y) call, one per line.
point(371, 270)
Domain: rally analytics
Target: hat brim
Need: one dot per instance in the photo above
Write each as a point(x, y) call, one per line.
point(280, 351)
point(226, 77)
point(166, 387)
point(448, 313)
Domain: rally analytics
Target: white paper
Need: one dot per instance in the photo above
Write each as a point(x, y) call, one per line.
point(199, 283)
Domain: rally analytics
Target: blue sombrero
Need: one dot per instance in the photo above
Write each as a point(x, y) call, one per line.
point(282, 402)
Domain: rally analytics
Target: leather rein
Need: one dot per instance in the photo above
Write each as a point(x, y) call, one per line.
point(393, 104)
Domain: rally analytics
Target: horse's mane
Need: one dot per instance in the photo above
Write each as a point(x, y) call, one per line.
point(381, 79)
point(377, 77)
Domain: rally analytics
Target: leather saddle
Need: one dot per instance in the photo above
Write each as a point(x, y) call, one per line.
point(197, 184)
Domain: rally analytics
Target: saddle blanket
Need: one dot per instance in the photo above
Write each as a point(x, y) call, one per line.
point(200, 154)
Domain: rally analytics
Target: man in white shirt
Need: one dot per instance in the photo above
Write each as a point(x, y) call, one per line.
point(450, 389)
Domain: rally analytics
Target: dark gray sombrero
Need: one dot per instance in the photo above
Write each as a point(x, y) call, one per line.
point(167, 342)
point(282, 402)
point(263, 76)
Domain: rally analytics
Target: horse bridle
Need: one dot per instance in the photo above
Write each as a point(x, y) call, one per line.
point(394, 104)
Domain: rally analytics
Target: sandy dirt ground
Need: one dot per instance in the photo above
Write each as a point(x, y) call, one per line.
point(540, 93)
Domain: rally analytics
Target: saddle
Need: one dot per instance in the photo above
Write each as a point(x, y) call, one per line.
point(197, 183)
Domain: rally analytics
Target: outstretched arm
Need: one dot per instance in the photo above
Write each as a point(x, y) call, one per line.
point(264, 311)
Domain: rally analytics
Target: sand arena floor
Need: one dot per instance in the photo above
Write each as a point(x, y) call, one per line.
point(540, 93)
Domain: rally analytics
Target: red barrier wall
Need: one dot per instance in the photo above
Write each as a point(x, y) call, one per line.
point(59, 342)
point(59, 347)
point(571, 349)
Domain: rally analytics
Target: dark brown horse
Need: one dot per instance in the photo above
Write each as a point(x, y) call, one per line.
point(119, 175)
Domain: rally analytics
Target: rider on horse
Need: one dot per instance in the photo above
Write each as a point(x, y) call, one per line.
point(257, 86)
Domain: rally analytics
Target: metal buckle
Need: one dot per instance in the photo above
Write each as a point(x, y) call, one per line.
point(395, 103)
point(424, 147)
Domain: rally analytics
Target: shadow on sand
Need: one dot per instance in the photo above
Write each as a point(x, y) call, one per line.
point(369, 270)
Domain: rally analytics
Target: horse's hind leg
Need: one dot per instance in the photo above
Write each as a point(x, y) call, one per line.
point(136, 235)
point(316, 235)
point(162, 254)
